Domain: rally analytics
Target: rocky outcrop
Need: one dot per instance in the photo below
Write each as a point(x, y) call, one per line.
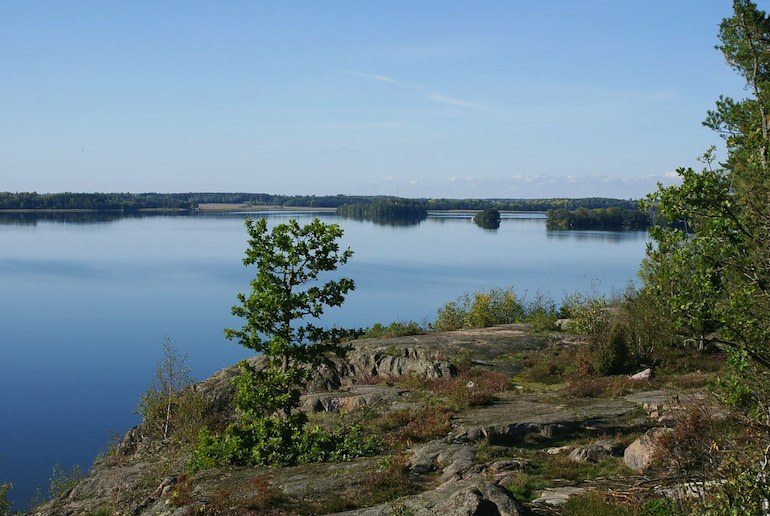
point(462, 473)
point(470, 498)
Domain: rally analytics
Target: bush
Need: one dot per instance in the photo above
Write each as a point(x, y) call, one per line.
point(451, 316)
point(550, 366)
point(611, 353)
point(62, 481)
point(394, 329)
point(171, 407)
point(594, 504)
point(541, 313)
point(606, 387)
point(587, 312)
point(281, 442)
point(5, 503)
point(415, 425)
point(476, 387)
point(648, 329)
point(484, 309)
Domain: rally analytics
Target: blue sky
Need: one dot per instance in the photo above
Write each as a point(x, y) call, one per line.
point(418, 98)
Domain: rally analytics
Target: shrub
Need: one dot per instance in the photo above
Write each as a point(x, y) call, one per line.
point(280, 441)
point(394, 329)
point(611, 352)
point(451, 316)
point(648, 329)
point(594, 504)
point(264, 496)
point(5, 503)
point(415, 425)
point(549, 366)
point(62, 481)
point(171, 407)
point(541, 313)
point(476, 387)
point(605, 387)
point(498, 306)
point(587, 312)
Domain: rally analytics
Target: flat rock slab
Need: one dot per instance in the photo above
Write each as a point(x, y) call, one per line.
point(549, 415)
point(556, 496)
point(465, 498)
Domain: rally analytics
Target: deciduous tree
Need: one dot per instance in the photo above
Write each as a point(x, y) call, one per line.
point(281, 313)
point(712, 268)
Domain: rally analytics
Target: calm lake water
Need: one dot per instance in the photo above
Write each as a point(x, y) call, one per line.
point(86, 303)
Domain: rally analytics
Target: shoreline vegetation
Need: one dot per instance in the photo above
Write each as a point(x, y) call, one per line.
point(595, 213)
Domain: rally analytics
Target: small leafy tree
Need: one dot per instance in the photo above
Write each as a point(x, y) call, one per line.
point(281, 322)
point(283, 308)
point(170, 406)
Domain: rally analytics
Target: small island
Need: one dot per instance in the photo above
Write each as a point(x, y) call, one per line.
point(487, 219)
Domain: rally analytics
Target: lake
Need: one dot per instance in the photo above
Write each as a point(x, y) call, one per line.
point(88, 299)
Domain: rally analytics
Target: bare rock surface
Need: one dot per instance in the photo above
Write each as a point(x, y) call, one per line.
point(595, 452)
point(468, 498)
point(146, 476)
point(556, 496)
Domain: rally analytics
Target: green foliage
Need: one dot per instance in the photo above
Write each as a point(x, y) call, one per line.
point(62, 481)
point(280, 441)
point(529, 204)
point(394, 329)
point(280, 314)
point(606, 219)
point(281, 311)
point(389, 211)
point(170, 407)
point(497, 306)
point(711, 270)
point(587, 312)
point(541, 313)
point(648, 329)
point(594, 504)
point(5, 503)
point(611, 352)
point(487, 219)
point(451, 316)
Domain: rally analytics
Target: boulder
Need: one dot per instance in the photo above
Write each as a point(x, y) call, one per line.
point(640, 454)
point(595, 452)
point(555, 496)
point(642, 375)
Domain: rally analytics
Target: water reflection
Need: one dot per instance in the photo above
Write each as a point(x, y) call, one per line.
point(587, 235)
point(77, 217)
point(87, 298)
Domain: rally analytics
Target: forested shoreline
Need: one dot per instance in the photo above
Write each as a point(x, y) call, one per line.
point(562, 214)
point(129, 201)
point(608, 219)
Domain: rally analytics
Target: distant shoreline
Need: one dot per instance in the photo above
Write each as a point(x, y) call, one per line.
point(209, 207)
point(223, 206)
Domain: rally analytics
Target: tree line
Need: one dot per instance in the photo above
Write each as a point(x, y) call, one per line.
point(608, 219)
point(190, 200)
point(391, 211)
point(92, 201)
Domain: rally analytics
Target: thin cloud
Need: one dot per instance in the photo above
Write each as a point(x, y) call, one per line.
point(435, 97)
point(443, 99)
point(372, 76)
